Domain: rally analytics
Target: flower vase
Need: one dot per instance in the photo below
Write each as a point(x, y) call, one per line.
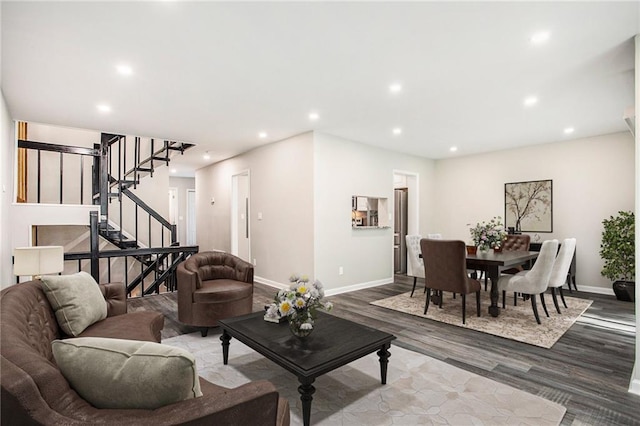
point(299, 325)
point(483, 249)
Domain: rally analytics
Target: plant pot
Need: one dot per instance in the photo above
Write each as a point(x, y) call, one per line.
point(625, 290)
point(472, 249)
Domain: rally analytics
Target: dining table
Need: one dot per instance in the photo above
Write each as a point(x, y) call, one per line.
point(492, 263)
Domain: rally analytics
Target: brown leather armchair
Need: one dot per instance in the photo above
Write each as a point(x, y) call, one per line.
point(212, 286)
point(445, 269)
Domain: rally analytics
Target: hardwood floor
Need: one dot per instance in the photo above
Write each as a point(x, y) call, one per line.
point(587, 370)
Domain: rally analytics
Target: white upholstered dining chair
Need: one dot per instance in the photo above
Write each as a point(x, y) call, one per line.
point(560, 270)
point(415, 265)
point(533, 282)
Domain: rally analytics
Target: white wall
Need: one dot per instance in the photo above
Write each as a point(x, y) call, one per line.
point(182, 184)
point(593, 178)
point(281, 182)
point(342, 169)
point(7, 149)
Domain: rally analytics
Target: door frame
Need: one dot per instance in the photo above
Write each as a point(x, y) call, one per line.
point(188, 213)
point(413, 205)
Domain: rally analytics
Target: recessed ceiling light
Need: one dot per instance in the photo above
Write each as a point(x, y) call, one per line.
point(453, 149)
point(124, 69)
point(531, 100)
point(395, 88)
point(540, 37)
point(103, 108)
point(173, 170)
point(397, 131)
point(206, 156)
point(568, 130)
point(262, 135)
point(313, 116)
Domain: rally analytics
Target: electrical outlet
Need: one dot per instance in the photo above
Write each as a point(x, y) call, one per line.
point(340, 270)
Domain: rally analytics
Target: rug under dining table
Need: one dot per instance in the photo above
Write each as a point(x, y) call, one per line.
point(514, 322)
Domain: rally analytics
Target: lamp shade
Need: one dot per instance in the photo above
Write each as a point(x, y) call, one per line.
point(38, 260)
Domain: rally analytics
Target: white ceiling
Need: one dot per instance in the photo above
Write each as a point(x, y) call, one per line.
point(216, 74)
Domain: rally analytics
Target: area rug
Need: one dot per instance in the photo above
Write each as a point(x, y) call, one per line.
point(420, 390)
point(514, 322)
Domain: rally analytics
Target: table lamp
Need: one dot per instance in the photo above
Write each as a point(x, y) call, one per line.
point(38, 260)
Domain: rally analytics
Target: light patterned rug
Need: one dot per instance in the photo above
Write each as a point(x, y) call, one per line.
point(420, 390)
point(514, 322)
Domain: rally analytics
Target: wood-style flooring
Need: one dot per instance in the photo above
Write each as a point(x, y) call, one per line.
point(587, 370)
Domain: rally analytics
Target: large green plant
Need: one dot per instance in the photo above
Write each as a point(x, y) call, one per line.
point(618, 247)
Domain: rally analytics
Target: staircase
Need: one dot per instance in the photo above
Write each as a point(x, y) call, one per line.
point(113, 184)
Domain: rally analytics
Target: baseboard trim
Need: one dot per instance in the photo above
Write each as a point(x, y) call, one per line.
point(361, 286)
point(330, 292)
point(597, 290)
point(270, 283)
point(634, 386)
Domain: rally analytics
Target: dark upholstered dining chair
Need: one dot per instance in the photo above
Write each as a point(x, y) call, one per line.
point(445, 269)
point(516, 242)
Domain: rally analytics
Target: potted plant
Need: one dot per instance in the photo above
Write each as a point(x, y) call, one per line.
point(618, 252)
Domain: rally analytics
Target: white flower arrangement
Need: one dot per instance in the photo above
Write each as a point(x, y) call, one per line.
point(299, 303)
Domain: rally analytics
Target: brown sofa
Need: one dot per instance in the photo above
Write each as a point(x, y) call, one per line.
point(213, 285)
point(34, 391)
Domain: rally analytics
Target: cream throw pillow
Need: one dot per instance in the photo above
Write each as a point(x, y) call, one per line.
point(116, 373)
point(76, 300)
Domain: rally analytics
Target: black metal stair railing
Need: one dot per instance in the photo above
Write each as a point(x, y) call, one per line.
point(113, 174)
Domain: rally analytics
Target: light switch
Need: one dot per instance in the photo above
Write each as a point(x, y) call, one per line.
point(259, 215)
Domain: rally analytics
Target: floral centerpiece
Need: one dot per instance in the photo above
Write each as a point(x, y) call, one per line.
point(486, 235)
point(299, 304)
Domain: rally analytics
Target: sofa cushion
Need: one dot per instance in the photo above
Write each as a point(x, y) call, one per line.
point(116, 373)
point(76, 300)
point(140, 325)
point(221, 291)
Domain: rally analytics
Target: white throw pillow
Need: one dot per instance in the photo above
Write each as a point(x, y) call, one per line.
point(121, 374)
point(76, 300)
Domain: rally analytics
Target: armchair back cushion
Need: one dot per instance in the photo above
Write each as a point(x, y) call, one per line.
point(213, 265)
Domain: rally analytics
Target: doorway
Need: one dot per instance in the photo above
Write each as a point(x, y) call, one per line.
point(240, 224)
point(406, 216)
point(191, 217)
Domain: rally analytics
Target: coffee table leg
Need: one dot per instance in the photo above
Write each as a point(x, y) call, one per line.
point(225, 338)
point(384, 355)
point(306, 391)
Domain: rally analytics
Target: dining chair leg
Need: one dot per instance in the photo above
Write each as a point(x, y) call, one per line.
point(515, 299)
point(569, 281)
point(478, 302)
point(562, 297)
point(464, 307)
point(415, 280)
point(504, 295)
point(426, 303)
point(544, 305)
point(535, 309)
point(454, 295)
point(555, 299)
point(441, 296)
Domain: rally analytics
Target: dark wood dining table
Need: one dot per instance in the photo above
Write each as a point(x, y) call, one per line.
point(492, 263)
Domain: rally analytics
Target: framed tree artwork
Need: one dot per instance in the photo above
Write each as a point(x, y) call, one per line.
point(528, 206)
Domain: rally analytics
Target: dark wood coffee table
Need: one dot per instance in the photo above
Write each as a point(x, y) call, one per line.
point(333, 343)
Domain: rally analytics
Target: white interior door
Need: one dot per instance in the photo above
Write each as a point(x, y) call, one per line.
point(240, 214)
point(191, 217)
